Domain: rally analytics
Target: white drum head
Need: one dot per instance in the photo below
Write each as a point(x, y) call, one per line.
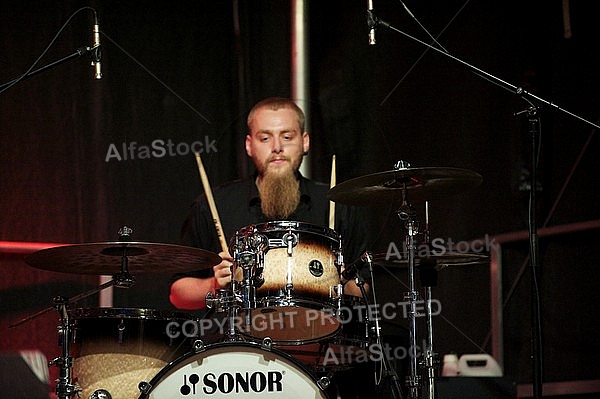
point(241, 369)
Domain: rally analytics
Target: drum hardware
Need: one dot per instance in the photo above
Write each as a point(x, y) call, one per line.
point(387, 369)
point(65, 389)
point(431, 361)
point(101, 394)
point(290, 240)
point(407, 215)
point(198, 345)
point(324, 382)
point(225, 301)
point(249, 256)
point(394, 187)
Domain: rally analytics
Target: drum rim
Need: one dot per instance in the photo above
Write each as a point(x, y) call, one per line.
point(261, 349)
point(127, 313)
point(296, 226)
point(295, 301)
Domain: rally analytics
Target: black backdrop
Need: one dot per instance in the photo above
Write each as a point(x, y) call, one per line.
point(189, 71)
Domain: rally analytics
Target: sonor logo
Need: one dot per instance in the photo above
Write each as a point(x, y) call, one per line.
point(316, 268)
point(226, 383)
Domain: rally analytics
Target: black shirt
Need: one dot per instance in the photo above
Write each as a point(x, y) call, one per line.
point(238, 205)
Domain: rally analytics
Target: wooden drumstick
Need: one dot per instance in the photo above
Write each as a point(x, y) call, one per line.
point(211, 204)
point(331, 203)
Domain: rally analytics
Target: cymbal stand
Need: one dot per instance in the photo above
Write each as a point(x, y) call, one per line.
point(428, 275)
point(65, 389)
point(407, 214)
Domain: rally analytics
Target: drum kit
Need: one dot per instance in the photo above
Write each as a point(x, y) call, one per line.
point(287, 326)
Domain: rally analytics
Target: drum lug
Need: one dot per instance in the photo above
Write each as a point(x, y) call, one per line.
point(144, 387)
point(291, 240)
point(324, 382)
point(198, 346)
point(267, 343)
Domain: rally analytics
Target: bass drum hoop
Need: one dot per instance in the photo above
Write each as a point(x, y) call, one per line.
point(127, 313)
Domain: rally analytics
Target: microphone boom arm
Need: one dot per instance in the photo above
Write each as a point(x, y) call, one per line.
point(481, 73)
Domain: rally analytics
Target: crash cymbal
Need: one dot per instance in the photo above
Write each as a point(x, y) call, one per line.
point(438, 262)
point(417, 183)
point(105, 258)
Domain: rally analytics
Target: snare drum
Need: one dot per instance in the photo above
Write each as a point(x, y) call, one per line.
point(225, 369)
point(116, 348)
point(292, 269)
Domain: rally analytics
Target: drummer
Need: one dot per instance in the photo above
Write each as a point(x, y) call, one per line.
point(276, 142)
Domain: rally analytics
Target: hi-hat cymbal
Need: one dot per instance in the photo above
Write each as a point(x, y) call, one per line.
point(436, 261)
point(106, 258)
point(416, 183)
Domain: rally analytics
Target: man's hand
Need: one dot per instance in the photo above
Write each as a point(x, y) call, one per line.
point(223, 270)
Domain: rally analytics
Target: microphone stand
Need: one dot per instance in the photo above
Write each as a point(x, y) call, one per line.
point(386, 367)
point(81, 51)
point(536, 327)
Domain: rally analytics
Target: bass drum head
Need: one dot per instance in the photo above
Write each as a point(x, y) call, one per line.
point(225, 369)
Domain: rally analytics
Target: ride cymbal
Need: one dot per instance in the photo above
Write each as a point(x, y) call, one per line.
point(404, 183)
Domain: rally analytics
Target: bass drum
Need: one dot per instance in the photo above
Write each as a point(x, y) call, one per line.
point(233, 368)
point(115, 348)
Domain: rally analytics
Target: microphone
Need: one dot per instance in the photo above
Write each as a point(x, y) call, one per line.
point(96, 50)
point(352, 270)
point(371, 23)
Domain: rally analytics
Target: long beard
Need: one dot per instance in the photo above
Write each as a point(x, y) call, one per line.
point(279, 194)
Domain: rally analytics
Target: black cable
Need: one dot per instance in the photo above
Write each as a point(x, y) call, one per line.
point(62, 28)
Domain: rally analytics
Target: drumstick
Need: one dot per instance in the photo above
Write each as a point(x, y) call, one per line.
point(211, 203)
point(331, 203)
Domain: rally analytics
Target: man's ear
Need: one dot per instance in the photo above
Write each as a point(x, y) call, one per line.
point(248, 145)
point(305, 142)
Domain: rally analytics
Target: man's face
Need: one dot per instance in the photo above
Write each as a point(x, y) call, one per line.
point(275, 142)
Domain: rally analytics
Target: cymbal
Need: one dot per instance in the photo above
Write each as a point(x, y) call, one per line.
point(105, 258)
point(438, 262)
point(417, 183)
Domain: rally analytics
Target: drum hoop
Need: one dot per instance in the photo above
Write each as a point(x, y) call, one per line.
point(233, 344)
point(127, 313)
point(300, 301)
point(286, 225)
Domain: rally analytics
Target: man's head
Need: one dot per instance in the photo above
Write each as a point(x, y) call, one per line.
point(276, 137)
point(276, 142)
